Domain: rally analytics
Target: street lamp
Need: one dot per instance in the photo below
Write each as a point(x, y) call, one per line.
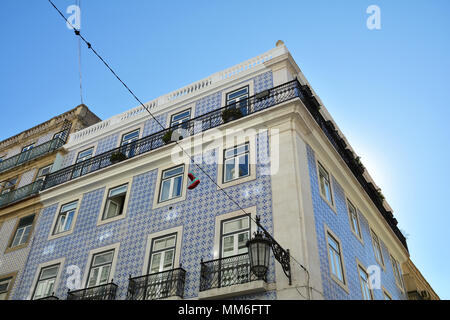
point(259, 252)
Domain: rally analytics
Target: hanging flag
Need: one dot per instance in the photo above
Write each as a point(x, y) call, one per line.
point(194, 181)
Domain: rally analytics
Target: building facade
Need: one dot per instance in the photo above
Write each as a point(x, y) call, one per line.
point(417, 287)
point(119, 219)
point(25, 159)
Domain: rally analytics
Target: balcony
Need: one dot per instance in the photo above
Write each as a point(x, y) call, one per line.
point(213, 119)
point(21, 193)
point(227, 277)
point(160, 285)
point(31, 154)
point(102, 292)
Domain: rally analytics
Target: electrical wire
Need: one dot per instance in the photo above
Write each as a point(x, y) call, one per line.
point(89, 45)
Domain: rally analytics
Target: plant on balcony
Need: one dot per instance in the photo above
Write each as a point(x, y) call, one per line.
point(117, 157)
point(359, 165)
point(380, 195)
point(231, 114)
point(167, 137)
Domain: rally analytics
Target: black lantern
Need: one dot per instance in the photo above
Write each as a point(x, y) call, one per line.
point(259, 253)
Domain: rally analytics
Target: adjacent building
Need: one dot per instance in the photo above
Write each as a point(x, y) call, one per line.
point(120, 219)
point(25, 159)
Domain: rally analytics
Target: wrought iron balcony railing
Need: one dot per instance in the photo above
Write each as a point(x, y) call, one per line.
point(158, 285)
point(102, 292)
point(31, 154)
point(21, 193)
point(258, 102)
point(226, 272)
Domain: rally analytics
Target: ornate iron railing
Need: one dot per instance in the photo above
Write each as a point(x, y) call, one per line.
point(102, 292)
point(31, 154)
point(258, 102)
point(21, 193)
point(158, 285)
point(226, 272)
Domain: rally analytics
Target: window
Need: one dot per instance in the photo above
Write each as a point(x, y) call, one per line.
point(46, 282)
point(23, 231)
point(29, 147)
point(5, 287)
point(100, 268)
point(115, 202)
point(65, 217)
point(43, 172)
point(365, 286)
point(127, 143)
point(325, 185)
point(397, 272)
point(83, 155)
point(8, 185)
point(61, 135)
point(171, 183)
point(180, 119)
point(236, 163)
point(377, 249)
point(235, 234)
point(334, 252)
point(238, 99)
point(354, 221)
point(162, 254)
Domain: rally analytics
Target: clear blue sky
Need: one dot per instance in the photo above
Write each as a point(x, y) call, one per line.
point(387, 89)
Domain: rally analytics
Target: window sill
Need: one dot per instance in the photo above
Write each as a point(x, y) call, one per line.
point(235, 290)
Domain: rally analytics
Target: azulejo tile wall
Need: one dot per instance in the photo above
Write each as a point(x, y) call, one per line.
point(196, 214)
point(352, 248)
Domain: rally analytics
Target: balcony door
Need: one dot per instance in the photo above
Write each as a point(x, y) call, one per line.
point(100, 269)
point(162, 258)
point(128, 143)
point(234, 268)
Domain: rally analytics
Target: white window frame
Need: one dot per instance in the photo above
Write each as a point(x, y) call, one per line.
point(319, 164)
point(344, 282)
point(179, 122)
point(92, 253)
point(64, 213)
point(11, 277)
point(106, 202)
point(376, 245)
point(42, 266)
point(398, 277)
point(359, 267)
point(156, 196)
point(235, 235)
point(358, 232)
point(171, 181)
point(217, 252)
point(64, 202)
point(108, 188)
point(236, 159)
point(79, 160)
point(158, 235)
point(39, 175)
point(17, 228)
point(232, 142)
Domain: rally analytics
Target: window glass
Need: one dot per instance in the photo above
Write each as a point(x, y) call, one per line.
point(65, 217)
point(100, 268)
point(180, 118)
point(43, 172)
point(115, 202)
point(23, 231)
point(171, 183)
point(377, 248)
point(335, 258)
point(325, 185)
point(235, 234)
point(236, 163)
point(354, 221)
point(364, 279)
point(46, 282)
point(162, 254)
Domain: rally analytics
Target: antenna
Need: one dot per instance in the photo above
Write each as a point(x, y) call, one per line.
point(79, 56)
